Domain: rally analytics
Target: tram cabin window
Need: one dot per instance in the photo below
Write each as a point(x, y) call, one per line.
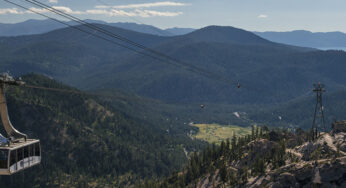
point(37, 149)
point(26, 151)
point(20, 154)
point(3, 158)
point(31, 150)
point(13, 157)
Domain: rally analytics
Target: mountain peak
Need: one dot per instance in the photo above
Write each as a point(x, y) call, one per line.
point(302, 31)
point(226, 34)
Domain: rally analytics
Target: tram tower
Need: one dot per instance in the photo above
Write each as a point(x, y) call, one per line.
point(319, 90)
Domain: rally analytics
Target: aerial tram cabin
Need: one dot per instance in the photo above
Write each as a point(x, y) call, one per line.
point(17, 152)
point(19, 156)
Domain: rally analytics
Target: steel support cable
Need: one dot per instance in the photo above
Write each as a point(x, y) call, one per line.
point(156, 31)
point(91, 33)
point(78, 28)
point(61, 13)
point(191, 68)
point(159, 32)
point(70, 91)
point(53, 89)
point(92, 26)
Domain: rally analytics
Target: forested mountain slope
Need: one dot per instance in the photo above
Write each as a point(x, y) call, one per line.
point(85, 141)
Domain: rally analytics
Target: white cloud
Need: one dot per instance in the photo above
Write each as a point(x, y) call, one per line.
point(103, 6)
point(144, 5)
point(151, 13)
point(67, 10)
point(98, 11)
point(32, 10)
point(111, 12)
point(60, 8)
point(137, 9)
point(137, 12)
point(107, 11)
point(263, 16)
point(53, 1)
point(10, 11)
point(122, 13)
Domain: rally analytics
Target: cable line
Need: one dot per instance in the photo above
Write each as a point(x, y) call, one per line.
point(94, 27)
point(53, 89)
point(172, 60)
point(70, 91)
point(87, 32)
point(158, 32)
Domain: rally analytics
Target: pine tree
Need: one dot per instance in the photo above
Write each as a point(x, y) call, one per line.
point(233, 180)
point(257, 132)
point(252, 132)
point(224, 173)
point(234, 140)
point(243, 175)
point(222, 148)
point(227, 146)
point(266, 131)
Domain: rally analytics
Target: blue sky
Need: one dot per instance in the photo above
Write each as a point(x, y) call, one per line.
point(253, 15)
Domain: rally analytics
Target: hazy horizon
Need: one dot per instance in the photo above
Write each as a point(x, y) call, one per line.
point(180, 27)
point(269, 15)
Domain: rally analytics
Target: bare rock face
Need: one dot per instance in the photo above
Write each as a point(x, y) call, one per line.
point(318, 163)
point(339, 133)
point(324, 173)
point(338, 127)
point(326, 146)
point(303, 175)
point(333, 172)
point(322, 164)
point(287, 179)
point(259, 147)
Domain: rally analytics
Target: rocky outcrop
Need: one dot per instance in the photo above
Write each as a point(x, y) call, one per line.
point(327, 145)
point(338, 127)
point(259, 148)
point(339, 133)
point(318, 163)
point(323, 173)
point(322, 164)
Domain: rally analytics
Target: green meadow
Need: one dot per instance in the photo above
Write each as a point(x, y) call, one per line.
point(215, 133)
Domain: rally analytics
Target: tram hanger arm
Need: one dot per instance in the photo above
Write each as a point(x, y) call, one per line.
point(6, 79)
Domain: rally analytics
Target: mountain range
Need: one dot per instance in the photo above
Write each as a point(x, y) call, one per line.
point(320, 40)
point(31, 27)
point(326, 40)
point(268, 73)
point(265, 69)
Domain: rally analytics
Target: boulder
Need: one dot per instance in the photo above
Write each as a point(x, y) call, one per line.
point(287, 180)
point(339, 126)
point(303, 175)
